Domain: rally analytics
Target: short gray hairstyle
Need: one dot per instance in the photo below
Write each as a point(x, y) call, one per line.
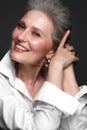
point(57, 12)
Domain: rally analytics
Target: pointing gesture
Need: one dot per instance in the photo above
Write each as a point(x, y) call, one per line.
point(63, 41)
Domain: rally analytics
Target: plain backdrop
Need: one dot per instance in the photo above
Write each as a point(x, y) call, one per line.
point(12, 10)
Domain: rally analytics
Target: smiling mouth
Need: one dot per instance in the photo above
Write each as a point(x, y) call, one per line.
point(21, 48)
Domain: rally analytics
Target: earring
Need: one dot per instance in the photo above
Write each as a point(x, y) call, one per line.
point(48, 62)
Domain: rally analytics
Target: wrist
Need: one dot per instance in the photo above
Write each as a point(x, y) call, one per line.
point(55, 76)
point(70, 84)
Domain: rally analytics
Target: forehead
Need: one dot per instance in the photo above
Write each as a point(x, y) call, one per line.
point(38, 19)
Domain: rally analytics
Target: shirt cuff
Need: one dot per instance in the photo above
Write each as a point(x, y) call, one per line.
point(82, 92)
point(52, 95)
point(82, 98)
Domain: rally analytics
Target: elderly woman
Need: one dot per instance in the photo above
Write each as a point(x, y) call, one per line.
point(38, 89)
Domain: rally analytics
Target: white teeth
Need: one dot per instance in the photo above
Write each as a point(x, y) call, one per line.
point(21, 48)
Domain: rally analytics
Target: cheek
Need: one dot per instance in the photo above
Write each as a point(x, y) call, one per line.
point(41, 45)
point(14, 33)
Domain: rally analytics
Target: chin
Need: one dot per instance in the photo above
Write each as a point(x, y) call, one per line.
point(14, 56)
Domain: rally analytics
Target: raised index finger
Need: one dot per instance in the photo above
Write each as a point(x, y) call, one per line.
point(63, 41)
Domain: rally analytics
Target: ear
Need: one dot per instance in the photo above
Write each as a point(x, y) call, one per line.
point(50, 54)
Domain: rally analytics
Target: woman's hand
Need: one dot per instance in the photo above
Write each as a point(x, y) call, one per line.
point(62, 58)
point(65, 54)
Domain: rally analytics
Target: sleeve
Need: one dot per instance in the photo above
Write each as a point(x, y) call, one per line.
point(81, 114)
point(51, 94)
point(78, 121)
point(82, 98)
point(14, 115)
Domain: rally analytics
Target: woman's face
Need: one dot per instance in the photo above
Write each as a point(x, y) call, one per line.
point(32, 38)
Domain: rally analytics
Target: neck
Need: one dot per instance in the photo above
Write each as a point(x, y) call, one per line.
point(28, 73)
point(25, 72)
point(30, 76)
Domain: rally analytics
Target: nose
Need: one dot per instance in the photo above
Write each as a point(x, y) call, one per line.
point(22, 36)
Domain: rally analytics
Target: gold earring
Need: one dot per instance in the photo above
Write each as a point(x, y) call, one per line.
point(47, 63)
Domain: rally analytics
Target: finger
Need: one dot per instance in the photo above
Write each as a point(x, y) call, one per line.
point(73, 53)
point(75, 58)
point(70, 48)
point(63, 41)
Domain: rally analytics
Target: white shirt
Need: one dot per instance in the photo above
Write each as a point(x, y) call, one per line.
point(51, 109)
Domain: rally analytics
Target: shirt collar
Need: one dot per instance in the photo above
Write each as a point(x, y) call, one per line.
point(7, 67)
point(8, 70)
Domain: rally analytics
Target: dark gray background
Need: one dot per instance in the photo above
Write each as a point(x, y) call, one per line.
point(12, 10)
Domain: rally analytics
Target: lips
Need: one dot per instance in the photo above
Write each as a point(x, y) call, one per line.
point(21, 48)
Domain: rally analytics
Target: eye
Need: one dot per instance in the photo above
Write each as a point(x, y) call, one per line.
point(21, 26)
point(36, 34)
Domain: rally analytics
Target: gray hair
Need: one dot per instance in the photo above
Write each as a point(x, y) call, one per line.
point(57, 12)
point(60, 16)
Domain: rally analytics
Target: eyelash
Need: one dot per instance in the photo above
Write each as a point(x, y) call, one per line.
point(21, 26)
point(36, 34)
